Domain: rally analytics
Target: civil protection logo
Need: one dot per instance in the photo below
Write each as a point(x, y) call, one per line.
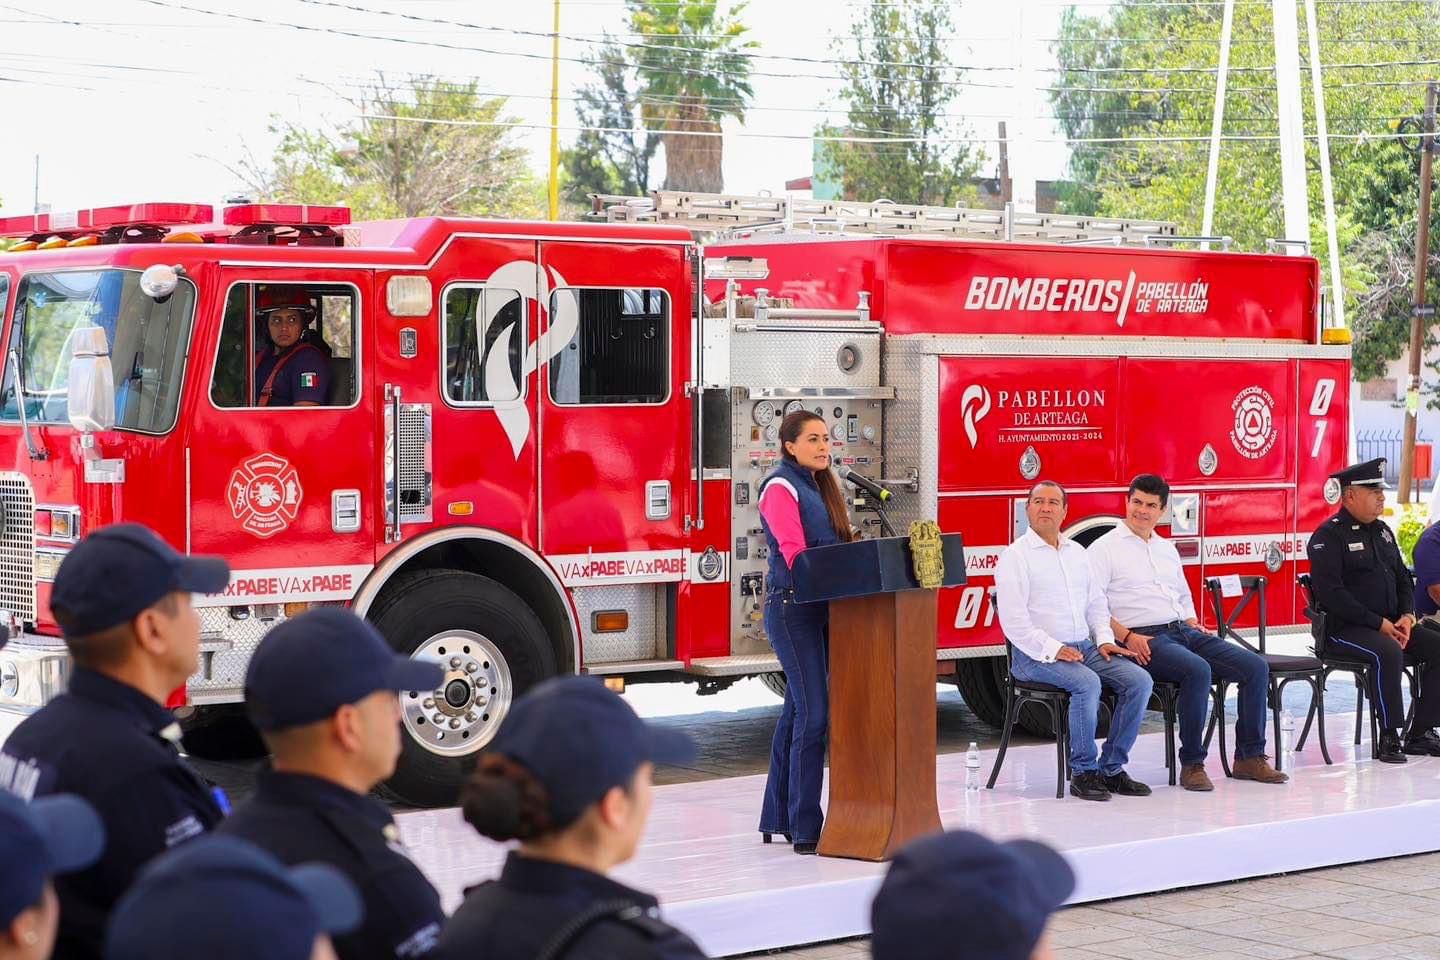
point(265, 494)
point(1254, 431)
point(974, 405)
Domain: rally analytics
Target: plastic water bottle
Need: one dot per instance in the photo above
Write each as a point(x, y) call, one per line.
point(972, 767)
point(1287, 732)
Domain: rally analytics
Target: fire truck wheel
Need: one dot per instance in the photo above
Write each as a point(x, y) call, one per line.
point(981, 683)
point(221, 732)
point(774, 682)
point(493, 648)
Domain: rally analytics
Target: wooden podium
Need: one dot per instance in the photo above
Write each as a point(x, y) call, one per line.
point(882, 691)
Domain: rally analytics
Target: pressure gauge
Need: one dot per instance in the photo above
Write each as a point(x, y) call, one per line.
point(764, 413)
point(772, 433)
point(838, 432)
point(792, 406)
point(868, 432)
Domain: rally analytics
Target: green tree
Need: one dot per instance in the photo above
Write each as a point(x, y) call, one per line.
point(1145, 73)
point(430, 148)
point(898, 82)
point(611, 156)
point(693, 72)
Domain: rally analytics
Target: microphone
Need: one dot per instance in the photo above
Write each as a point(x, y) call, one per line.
point(864, 483)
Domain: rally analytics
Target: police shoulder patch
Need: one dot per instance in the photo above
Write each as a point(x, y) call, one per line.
point(309, 379)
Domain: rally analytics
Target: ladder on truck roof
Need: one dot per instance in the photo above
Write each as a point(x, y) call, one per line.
point(736, 215)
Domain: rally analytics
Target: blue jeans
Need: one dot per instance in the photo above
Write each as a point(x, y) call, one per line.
point(1189, 657)
point(799, 633)
point(1082, 681)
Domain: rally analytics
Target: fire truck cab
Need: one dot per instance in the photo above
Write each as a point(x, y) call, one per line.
point(534, 448)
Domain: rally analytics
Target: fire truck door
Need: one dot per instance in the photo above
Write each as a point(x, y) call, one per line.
point(284, 467)
point(615, 420)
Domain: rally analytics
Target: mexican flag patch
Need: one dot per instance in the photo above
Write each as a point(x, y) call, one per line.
point(308, 379)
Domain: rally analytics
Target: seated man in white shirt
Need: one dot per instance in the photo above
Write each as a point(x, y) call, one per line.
point(1154, 617)
point(1050, 608)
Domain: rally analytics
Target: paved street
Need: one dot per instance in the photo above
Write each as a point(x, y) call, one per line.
point(1383, 910)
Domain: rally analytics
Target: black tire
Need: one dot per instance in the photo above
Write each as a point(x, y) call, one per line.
point(775, 682)
point(981, 682)
point(221, 732)
point(419, 606)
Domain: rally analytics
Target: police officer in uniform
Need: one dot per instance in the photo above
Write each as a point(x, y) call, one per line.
point(221, 898)
point(122, 598)
point(48, 836)
point(569, 776)
point(321, 689)
point(294, 371)
point(1007, 890)
point(1360, 578)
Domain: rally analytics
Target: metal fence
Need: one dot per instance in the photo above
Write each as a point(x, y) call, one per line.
point(1370, 444)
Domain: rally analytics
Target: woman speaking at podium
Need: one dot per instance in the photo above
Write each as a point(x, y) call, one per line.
point(800, 507)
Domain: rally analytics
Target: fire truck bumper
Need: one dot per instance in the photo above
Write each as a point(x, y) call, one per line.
point(33, 671)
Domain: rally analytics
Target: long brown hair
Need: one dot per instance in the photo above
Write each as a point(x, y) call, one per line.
point(790, 430)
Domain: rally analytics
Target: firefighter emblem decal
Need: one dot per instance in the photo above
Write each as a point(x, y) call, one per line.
point(265, 494)
point(1254, 432)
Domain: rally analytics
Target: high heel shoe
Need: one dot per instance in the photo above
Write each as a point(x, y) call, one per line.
point(805, 849)
point(766, 836)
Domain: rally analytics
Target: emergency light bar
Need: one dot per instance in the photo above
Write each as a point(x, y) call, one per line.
point(106, 218)
point(286, 215)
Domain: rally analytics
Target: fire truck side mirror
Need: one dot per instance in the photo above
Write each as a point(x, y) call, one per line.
point(92, 381)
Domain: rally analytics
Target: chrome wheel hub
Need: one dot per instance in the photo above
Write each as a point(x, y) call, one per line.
point(464, 710)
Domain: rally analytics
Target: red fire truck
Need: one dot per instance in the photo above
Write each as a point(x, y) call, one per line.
point(538, 444)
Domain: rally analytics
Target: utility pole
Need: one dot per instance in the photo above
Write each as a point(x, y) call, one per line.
point(1006, 194)
point(1420, 312)
point(555, 117)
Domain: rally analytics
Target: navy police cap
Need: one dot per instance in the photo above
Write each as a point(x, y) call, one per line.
point(118, 571)
point(221, 898)
point(55, 834)
point(1369, 473)
point(310, 666)
point(579, 739)
point(1008, 889)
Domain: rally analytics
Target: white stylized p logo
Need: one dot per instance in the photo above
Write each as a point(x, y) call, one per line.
point(974, 405)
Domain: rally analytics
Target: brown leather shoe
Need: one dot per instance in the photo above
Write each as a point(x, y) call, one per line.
point(1257, 768)
point(1194, 777)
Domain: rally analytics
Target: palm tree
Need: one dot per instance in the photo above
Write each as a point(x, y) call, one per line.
point(694, 72)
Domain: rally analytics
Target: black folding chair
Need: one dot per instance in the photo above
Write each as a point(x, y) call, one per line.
point(1284, 670)
point(1053, 699)
point(1320, 631)
point(1057, 702)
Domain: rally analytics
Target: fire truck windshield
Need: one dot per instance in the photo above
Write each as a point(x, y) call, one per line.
point(147, 345)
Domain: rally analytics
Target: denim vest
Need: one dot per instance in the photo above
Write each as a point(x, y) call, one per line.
point(814, 519)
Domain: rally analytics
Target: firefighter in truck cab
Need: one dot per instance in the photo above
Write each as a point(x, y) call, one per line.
point(293, 370)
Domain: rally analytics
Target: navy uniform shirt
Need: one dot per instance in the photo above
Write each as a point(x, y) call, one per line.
point(114, 746)
point(1358, 574)
point(305, 377)
point(514, 917)
point(303, 819)
point(1427, 570)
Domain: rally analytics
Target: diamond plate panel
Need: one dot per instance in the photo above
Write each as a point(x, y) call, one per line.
point(17, 546)
point(766, 359)
point(912, 426)
point(649, 623)
point(227, 667)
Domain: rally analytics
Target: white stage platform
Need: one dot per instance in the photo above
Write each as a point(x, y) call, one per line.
point(704, 859)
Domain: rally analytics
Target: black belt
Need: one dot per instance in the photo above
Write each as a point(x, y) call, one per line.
point(1155, 628)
